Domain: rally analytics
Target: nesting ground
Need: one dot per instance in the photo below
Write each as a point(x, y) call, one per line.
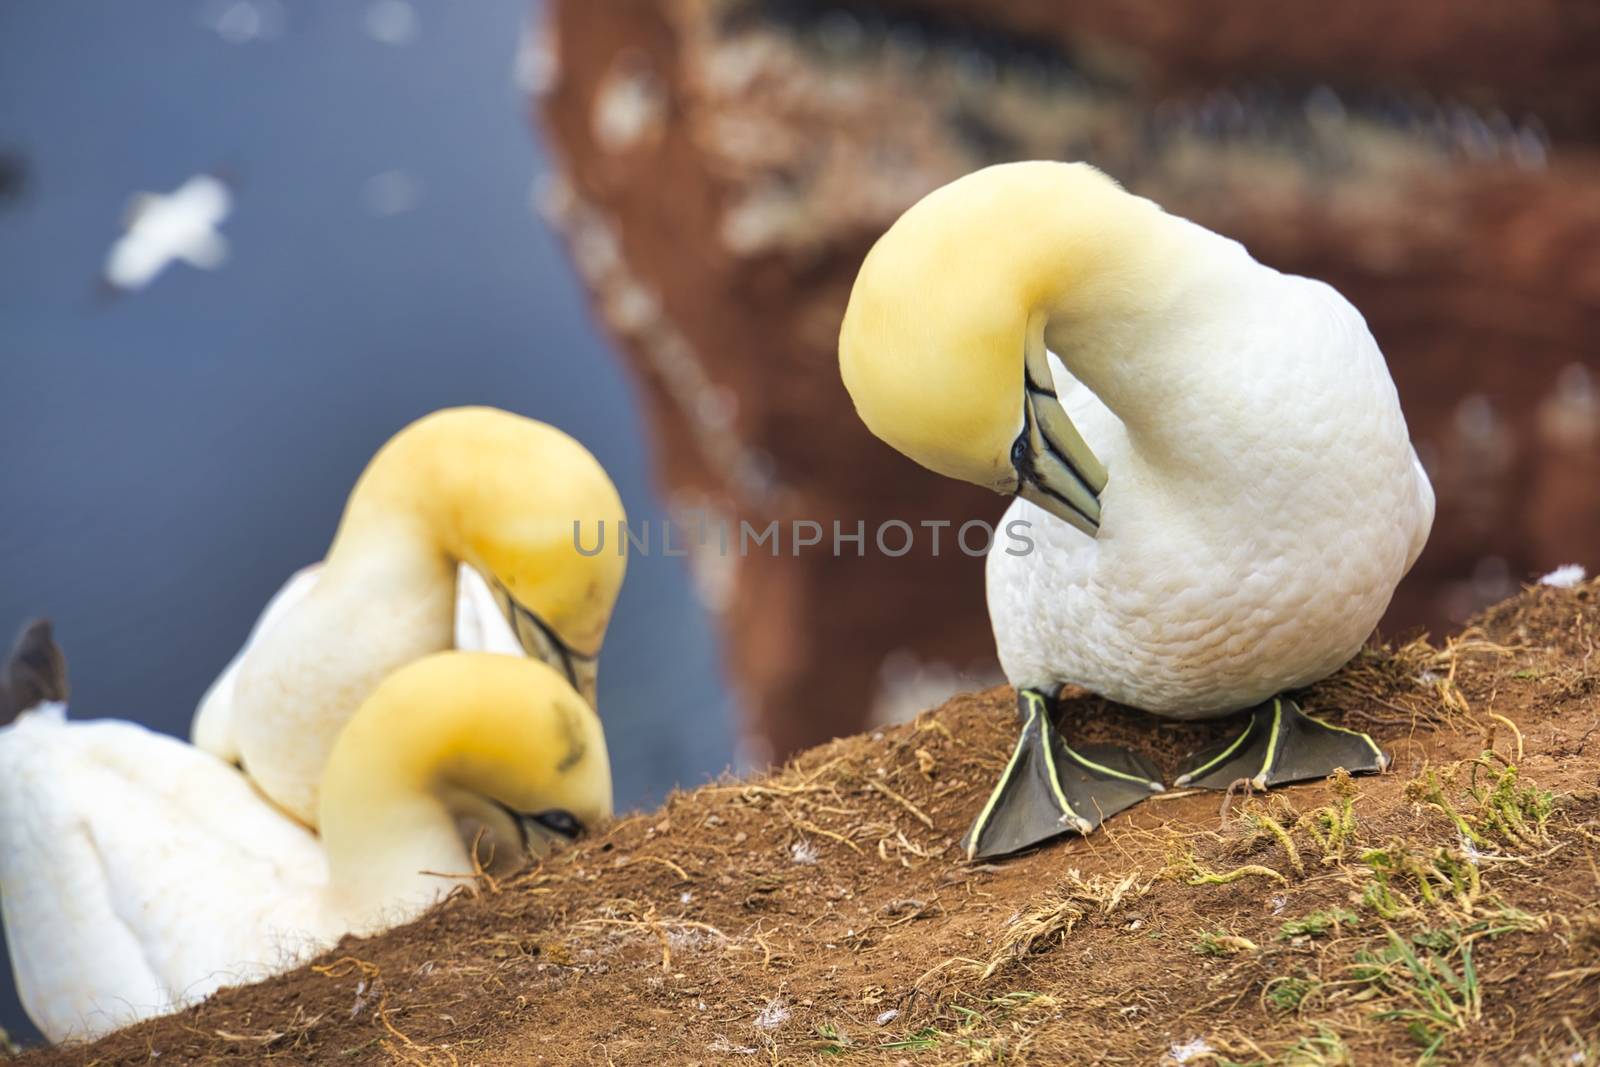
point(1448, 911)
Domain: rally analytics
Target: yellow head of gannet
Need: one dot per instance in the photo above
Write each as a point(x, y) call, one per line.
point(508, 496)
point(501, 740)
point(968, 392)
point(513, 498)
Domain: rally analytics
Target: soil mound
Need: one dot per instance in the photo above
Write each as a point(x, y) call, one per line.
point(1443, 912)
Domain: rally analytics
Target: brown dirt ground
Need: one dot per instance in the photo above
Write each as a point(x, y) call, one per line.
point(823, 914)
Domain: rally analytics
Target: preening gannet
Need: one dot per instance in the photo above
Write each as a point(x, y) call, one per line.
point(138, 873)
point(498, 492)
point(1219, 485)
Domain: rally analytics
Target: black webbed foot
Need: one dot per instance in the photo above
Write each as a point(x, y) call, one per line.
point(1050, 788)
point(1282, 744)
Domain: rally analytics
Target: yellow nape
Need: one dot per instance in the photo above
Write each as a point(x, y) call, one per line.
point(951, 299)
point(501, 493)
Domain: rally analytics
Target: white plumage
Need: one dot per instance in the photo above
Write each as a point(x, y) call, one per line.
point(479, 627)
point(1263, 503)
point(138, 873)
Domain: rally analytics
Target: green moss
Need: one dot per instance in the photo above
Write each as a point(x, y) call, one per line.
point(1318, 923)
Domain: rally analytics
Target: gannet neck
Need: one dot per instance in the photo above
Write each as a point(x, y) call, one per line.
point(1117, 288)
point(507, 730)
point(371, 612)
point(1078, 247)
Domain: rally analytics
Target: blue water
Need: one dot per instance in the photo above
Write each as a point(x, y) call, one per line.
point(169, 457)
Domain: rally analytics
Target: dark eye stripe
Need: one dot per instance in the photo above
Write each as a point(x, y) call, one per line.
point(559, 822)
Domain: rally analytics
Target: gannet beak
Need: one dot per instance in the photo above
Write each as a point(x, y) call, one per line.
point(585, 676)
point(541, 642)
point(1056, 469)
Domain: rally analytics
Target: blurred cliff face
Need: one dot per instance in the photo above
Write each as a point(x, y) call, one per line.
point(727, 163)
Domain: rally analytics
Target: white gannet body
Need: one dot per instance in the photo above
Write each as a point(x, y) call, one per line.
point(1216, 490)
point(138, 874)
point(1254, 546)
point(479, 627)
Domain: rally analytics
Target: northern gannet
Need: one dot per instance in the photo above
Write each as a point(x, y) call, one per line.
point(503, 494)
point(1210, 456)
point(138, 874)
